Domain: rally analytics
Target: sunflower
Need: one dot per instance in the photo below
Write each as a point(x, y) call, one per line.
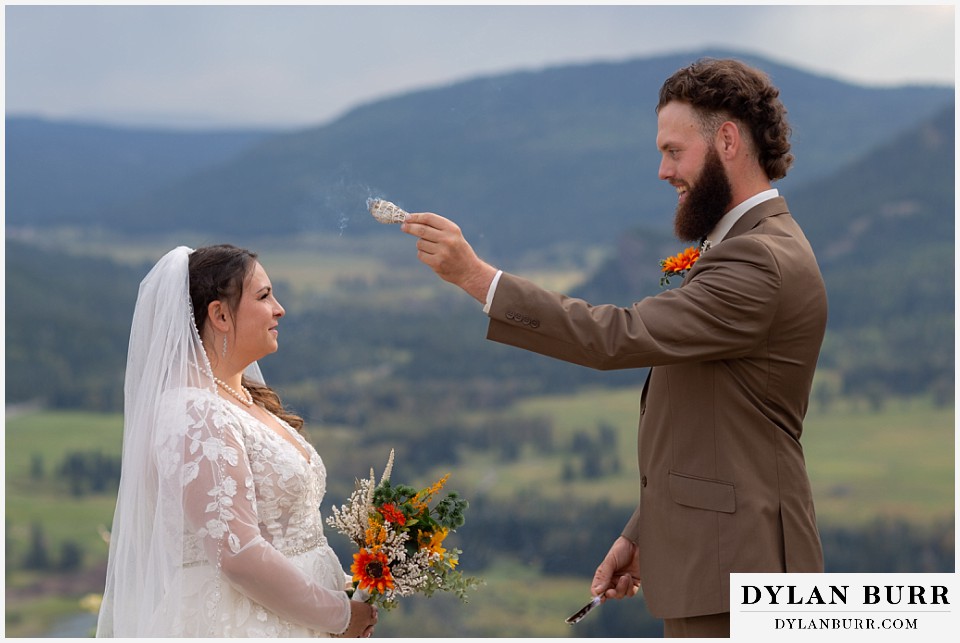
point(371, 571)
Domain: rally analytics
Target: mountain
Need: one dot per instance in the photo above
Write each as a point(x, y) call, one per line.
point(886, 240)
point(900, 195)
point(68, 172)
point(520, 160)
point(882, 227)
point(896, 200)
point(883, 231)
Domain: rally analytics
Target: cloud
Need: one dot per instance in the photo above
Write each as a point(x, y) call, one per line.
point(304, 64)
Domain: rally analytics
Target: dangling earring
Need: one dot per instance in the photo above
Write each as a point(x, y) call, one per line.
point(224, 345)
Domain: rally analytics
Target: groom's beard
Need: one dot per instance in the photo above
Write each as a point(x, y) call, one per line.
point(706, 201)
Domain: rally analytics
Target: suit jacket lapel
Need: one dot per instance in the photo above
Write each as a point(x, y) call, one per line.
point(756, 214)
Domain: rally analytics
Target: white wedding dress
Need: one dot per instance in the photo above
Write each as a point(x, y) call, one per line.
point(217, 530)
point(259, 514)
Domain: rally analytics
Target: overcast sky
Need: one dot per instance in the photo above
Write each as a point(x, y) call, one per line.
point(304, 65)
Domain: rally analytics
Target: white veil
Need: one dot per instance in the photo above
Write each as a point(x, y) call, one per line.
point(163, 451)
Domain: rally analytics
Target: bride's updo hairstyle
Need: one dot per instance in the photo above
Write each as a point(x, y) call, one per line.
point(217, 273)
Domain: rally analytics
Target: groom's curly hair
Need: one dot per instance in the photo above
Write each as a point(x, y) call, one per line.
point(727, 89)
point(217, 273)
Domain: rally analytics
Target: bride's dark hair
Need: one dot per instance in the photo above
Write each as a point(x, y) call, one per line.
point(217, 273)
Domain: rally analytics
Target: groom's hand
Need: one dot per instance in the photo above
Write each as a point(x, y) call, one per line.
point(618, 575)
point(441, 245)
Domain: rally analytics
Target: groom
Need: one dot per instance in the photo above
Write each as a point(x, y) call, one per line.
point(723, 483)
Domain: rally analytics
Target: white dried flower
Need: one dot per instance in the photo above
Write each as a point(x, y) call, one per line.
point(388, 469)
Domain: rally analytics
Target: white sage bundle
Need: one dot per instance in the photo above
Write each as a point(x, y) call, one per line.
point(386, 212)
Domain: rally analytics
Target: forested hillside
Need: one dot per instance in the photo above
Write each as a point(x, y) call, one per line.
point(884, 234)
point(881, 226)
point(520, 160)
point(64, 172)
point(67, 325)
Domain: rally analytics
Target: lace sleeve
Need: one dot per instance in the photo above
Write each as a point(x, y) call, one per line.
point(220, 507)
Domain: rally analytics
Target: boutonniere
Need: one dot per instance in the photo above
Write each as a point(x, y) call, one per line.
point(678, 265)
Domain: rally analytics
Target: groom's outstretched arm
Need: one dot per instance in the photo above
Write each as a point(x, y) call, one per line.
point(441, 245)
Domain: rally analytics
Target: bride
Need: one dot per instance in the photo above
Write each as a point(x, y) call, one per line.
point(217, 530)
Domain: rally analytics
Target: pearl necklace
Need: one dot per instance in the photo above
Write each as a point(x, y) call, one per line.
point(246, 401)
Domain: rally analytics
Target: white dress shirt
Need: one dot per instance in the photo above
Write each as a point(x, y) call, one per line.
point(725, 224)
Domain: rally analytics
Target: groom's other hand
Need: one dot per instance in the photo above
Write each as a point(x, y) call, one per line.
point(618, 576)
point(441, 245)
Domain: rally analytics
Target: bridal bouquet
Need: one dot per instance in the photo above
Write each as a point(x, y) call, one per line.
point(400, 539)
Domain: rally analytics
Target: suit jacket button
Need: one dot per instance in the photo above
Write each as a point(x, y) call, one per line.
point(525, 320)
point(509, 314)
point(534, 323)
point(643, 481)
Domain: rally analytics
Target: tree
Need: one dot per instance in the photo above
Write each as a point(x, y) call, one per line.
point(36, 467)
point(71, 556)
point(38, 555)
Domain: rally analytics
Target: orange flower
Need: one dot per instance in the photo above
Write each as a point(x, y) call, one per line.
point(391, 514)
point(375, 534)
point(423, 497)
point(371, 571)
point(682, 261)
point(677, 265)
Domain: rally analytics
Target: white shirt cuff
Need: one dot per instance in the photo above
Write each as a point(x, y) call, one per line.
point(492, 291)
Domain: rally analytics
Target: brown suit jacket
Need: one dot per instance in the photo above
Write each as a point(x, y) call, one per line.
point(723, 483)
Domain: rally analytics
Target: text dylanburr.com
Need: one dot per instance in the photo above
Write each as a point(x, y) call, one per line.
point(844, 607)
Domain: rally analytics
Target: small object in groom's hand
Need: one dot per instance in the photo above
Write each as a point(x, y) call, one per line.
point(386, 212)
point(576, 618)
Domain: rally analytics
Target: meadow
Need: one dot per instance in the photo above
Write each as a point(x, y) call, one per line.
point(864, 463)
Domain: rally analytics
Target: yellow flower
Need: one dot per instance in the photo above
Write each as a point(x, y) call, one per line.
point(433, 541)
